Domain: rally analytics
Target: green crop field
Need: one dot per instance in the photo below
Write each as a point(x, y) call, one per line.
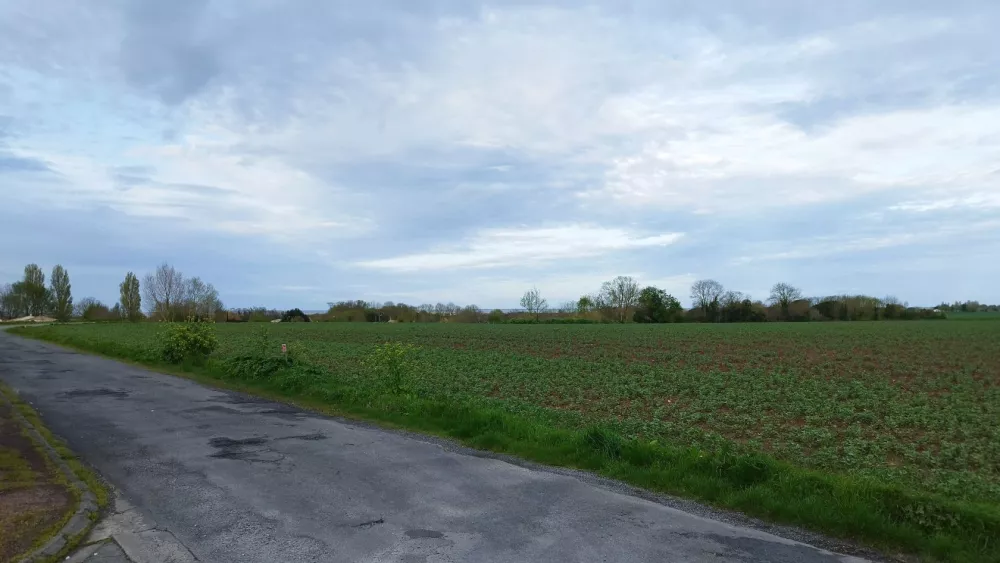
point(977, 316)
point(913, 406)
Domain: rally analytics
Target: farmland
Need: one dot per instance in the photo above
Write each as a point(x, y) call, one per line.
point(911, 405)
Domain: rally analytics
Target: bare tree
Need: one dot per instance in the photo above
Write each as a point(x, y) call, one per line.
point(622, 296)
point(568, 307)
point(130, 300)
point(730, 298)
point(164, 292)
point(470, 314)
point(200, 299)
point(533, 303)
point(706, 292)
point(82, 306)
point(62, 295)
point(783, 294)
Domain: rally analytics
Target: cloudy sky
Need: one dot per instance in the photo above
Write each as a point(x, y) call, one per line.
point(298, 152)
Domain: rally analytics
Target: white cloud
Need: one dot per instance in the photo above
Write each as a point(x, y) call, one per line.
point(891, 238)
point(946, 203)
point(506, 291)
point(493, 248)
point(205, 184)
point(742, 162)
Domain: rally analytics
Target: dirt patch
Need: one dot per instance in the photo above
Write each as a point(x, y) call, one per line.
point(34, 499)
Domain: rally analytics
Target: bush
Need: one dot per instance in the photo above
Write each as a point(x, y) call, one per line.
point(294, 316)
point(262, 358)
point(392, 363)
point(190, 341)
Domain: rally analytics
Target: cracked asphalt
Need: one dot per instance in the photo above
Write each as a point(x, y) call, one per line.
point(236, 478)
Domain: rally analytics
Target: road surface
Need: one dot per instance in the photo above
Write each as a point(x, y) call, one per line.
point(235, 478)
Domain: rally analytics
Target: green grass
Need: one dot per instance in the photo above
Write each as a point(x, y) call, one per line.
point(879, 432)
point(17, 474)
point(977, 316)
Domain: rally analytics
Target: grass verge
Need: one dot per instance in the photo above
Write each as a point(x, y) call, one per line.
point(36, 497)
point(892, 519)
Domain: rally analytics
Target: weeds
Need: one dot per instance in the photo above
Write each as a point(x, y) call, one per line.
point(393, 364)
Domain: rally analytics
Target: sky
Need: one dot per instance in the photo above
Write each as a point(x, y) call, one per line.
point(295, 153)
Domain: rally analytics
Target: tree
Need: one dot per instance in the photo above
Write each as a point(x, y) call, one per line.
point(294, 316)
point(621, 295)
point(584, 304)
point(34, 275)
point(657, 306)
point(533, 303)
point(10, 305)
point(35, 296)
point(731, 298)
point(201, 300)
point(81, 306)
point(62, 295)
point(164, 292)
point(706, 294)
point(130, 299)
point(782, 294)
point(90, 309)
point(469, 314)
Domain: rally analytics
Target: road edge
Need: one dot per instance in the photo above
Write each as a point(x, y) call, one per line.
point(87, 506)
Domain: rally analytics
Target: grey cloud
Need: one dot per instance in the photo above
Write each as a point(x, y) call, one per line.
point(11, 163)
point(141, 170)
point(198, 189)
point(167, 50)
point(126, 181)
point(127, 177)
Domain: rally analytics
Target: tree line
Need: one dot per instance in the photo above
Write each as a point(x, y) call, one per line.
point(167, 294)
point(624, 300)
point(30, 296)
point(170, 296)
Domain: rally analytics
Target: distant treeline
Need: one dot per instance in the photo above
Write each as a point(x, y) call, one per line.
point(167, 295)
point(623, 300)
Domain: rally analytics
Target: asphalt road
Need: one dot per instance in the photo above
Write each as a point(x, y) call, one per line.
point(236, 478)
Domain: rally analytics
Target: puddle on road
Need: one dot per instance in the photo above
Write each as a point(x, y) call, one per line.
point(99, 392)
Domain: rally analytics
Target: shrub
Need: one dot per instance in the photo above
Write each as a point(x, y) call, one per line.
point(190, 341)
point(294, 316)
point(261, 359)
point(392, 363)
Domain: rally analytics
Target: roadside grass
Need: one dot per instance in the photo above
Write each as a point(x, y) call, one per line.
point(35, 497)
point(894, 519)
point(28, 526)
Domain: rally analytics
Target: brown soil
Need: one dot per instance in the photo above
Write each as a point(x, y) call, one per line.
point(33, 499)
